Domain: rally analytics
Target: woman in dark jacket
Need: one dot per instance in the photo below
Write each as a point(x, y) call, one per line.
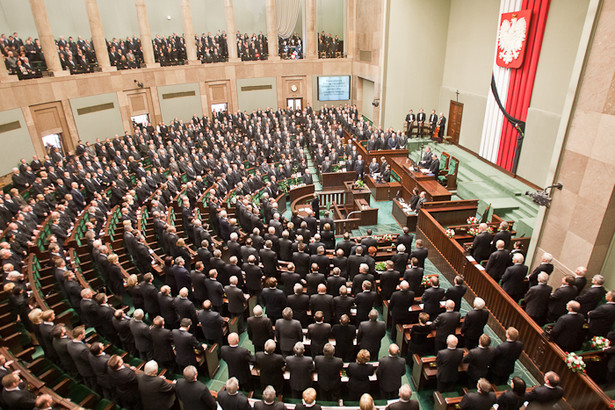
point(512, 399)
point(358, 375)
point(418, 338)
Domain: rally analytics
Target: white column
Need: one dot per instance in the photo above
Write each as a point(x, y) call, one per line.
point(189, 33)
point(231, 40)
point(146, 36)
point(272, 32)
point(98, 36)
point(45, 35)
point(311, 42)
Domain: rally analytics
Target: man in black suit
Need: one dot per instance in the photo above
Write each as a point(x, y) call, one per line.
point(271, 366)
point(359, 167)
point(260, 329)
point(498, 261)
point(355, 261)
point(503, 234)
point(537, 299)
point(559, 298)
point(141, 334)
point(192, 393)
point(288, 331)
point(155, 391)
point(442, 124)
point(420, 253)
point(345, 244)
point(167, 304)
point(390, 370)
point(162, 344)
point(389, 280)
point(579, 279)
point(399, 306)
point(445, 324)
point(344, 334)
point(545, 266)
point(329, 368)
point(318, 333)
point(238, 360)
point(448, 361)
point(506, 355)
point(98, 362)
point(481, 245)
point(483, 398)
point(479, 359)
point(404, 402)
point(592, 296)
point(150, 295)
point(124, 380)
point(456, 292)
point(236, 301)
point(14, 396)
point(431, 298)
point(601, 319)
point(547, 395)
point(567, 332)
point(212, 324)
point(215, 290)
point(365, 301)
point(414, 275)
point(269, 259)
point(370, 334)
point(231, 399)
point(316, 205)
point(185, 345)
point(80, 354)
point(400, 259)
point(273, 299)
point(512, 280)
point(474, 323)
point(300, 368)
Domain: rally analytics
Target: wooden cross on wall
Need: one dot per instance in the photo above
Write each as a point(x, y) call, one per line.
point(457, 92)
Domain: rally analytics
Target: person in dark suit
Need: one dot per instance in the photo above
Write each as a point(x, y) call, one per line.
point(512, 280)
point(359, 373)
point(404, 402)
point(212, 324)
point(309, 401)
point(456, 292)
point(150, 296)
point(124, 381)
point(547, 395)
point(579, 279)
point(431, 298)
point(399, 305)
point(299, 302)
point(238, 360)
point(316, 205)
point(592, 296)
point(418, 338)
point(318, 333)
point(513, 398)
point(448, 361)
point(155, 391)
point(479, 359)
point(602, 318)
point(14, 396)
point(192, 393)
point(236, 300)
point(482, 399)
point(445, 324)
point(442, 124)
point(420, 253)
point(269, 259)
point(365, 301)
point(80, 354)
point(300, 368)
point(141, 333)
point(269, 401)
point(271, 366)
point(273, 299)
point(434, 165)
point(259, 329)
point(414, 276)
point(359, 167)
point(481, 245)
point(389, 280)
point(185, 345)
point(98, 362)
point(215, 290)
point(231, 399)
point(344, 334)
point(559, 298)
point(506, 355)
point(568, 329)
point(474, 323)
point(498, 261)
point(370, 334)
point(545, 266)
point(537, 299)
point(288, 331)
point(390, 370)
point(329, 369)
point(162, 344)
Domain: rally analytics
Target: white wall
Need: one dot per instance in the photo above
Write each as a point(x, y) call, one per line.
point(368, 97)
point(179, 107)
point(250, 16)
point(15, 144)
point(68, 18)
point(119, 18)
point(99, 124)
point(330, 17)
point(208, 16)
point(252, 100)
point(157, 13)
point(414, 60)
point(16, 15)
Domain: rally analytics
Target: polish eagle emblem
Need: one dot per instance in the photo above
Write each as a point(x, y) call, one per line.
point(511, 39)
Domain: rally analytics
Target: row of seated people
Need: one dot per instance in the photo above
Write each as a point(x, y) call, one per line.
point(212, 48)
point(125, 54)
point(24, 59)
point(330, 46)
point(252, 47)
point(169, 50)
point(290, 48)
point(567, 307)
point(77, 57)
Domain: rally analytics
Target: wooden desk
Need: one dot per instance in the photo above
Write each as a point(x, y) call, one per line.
point(300, 191)
point(353, 193)
point(403, 218)
point(435, 191)
point(369, 215)
point(335, 180)
point(384, 191)
point(425, 370)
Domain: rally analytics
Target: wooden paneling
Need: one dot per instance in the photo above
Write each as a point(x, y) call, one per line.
point(138, 104)
point(454, 121)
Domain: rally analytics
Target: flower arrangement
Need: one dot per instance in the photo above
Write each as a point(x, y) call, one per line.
point(381, 266)
point(387, 237)
point(449, 233)
point(473, 231)
point(426, 281)
point(575, 363)
point(599, 343)
point(360, 183)
point(472, 220)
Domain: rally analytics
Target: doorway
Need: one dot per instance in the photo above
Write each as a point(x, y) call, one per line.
point(51, 141)
point(141, 120)
point(455, 112)
point(294, 104)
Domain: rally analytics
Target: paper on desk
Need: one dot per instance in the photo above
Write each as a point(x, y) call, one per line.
point(471, 259)
point(480, 267)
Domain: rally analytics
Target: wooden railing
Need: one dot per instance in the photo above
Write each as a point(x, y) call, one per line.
point(580, 391)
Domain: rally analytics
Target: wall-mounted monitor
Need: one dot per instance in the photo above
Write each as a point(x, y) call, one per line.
point(334, 88)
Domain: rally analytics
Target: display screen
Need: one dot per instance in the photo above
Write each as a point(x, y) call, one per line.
point(334, 88)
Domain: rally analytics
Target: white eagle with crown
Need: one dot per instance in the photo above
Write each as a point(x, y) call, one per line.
point(511, 38)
